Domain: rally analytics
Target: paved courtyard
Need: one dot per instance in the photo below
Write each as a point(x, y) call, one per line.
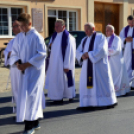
point(65, 119)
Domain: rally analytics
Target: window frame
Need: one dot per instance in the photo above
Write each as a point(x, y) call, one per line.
point(9, 21)
point(67, 11)
point(133, 11)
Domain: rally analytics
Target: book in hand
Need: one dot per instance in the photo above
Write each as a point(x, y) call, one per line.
point(20, 62)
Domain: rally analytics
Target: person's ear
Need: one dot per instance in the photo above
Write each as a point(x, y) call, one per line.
point(30, 23)
point(64, 26)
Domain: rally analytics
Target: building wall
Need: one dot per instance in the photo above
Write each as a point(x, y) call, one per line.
point(80, 6)
point(84, 8)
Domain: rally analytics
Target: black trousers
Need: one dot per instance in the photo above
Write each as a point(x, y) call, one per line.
point(30, 124)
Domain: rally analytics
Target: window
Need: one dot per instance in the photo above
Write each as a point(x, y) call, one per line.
point(7, 16)
point(63, 15)
point(3, 21)
point(72, 21)
point(69, 17)
point(133, 12)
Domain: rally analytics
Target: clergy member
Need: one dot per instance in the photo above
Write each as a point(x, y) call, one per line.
point(127, 38)
point(13, 69)
point(28, 55)
point(61, 68)
point(116, 61)
point(96, 84)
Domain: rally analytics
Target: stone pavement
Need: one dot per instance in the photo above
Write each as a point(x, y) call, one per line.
point(65, 119)
point(5, 77)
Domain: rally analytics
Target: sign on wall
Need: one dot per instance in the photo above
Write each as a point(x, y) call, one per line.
point(37, 19)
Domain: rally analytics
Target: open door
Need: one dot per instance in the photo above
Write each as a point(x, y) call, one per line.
point(51, 23)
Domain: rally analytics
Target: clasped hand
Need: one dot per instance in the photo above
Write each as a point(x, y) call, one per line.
point(23, 66)
point(129, 39)
point(85, 56)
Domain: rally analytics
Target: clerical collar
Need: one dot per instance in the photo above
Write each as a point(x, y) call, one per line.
point(60, 33)
point(131, 27)
point(90, 35)
point(110, 36)
point(31, 30)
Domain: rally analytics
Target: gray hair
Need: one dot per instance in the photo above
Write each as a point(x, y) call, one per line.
point(60, 21)
point(111, 27)
point(90, 24)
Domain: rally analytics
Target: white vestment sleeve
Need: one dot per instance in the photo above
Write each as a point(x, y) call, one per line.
point(100, 52)
point(122, 36)
point(15, 52)
point(70, 53)
point(116, 48)
point(7, 50)
point(39, 59)
point(133, 43)
point(79, 53)
point(6, 57)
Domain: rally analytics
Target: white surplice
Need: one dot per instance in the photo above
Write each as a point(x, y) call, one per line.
point(30, 47)
point(118, 67)
point(102, 93)
point(13, 73)
point(56, 80)
point(128, 54)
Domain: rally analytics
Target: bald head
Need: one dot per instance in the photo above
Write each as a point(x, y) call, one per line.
point(15, 27)
point(89, 28)
point(109, 30)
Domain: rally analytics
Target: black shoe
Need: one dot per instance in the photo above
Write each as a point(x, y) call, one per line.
point(14, 118)
point(58, 102)
point(132, 88)
point(86, 108)
point(71, 100)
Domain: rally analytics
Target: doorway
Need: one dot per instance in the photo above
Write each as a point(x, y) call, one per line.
point(106, 14)
point(51, 23)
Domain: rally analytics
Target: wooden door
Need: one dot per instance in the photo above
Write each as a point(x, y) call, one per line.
point(106, 14)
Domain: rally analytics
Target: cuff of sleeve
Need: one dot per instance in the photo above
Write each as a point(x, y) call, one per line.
point(91, 57)
point(13, 61)
point(133, 43)
point(80, 61)
point(32, 63)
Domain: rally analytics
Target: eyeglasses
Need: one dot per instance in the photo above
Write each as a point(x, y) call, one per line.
point(23, 25)
point(15, 26)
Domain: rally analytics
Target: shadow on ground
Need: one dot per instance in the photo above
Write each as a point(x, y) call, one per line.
point(5, 99)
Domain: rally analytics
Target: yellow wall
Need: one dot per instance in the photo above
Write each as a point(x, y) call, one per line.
point(85, 9)
point(79, 5)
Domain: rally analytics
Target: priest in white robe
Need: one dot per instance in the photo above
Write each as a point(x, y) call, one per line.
point(96, 84)
point(13, 69)
point(28, 55)
point(127, 38)
point(116, 61)
point(60, 73)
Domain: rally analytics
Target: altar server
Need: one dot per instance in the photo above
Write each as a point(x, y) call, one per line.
point(28, 55)
point(13, 69)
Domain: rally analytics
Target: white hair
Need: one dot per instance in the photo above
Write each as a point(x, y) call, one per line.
point(60, 21)
point(111, 27)
point(90, 24)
